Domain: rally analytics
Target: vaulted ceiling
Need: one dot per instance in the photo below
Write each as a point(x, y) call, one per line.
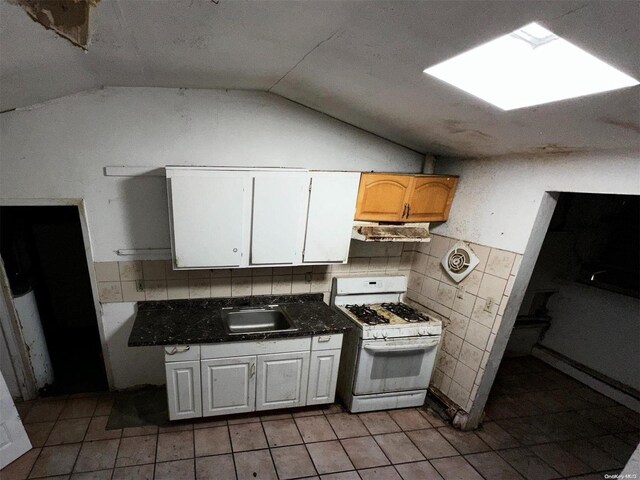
point(360, 61)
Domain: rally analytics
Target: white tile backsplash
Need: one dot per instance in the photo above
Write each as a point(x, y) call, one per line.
point(281, 284)
point(204, 283)
point(445, 295)
point(107, 271)
point(199, 274)
point(110, 292)
point(500, 263)
point(482, 314)
point(464, 305)
point(131, 270)
point(464, 376)
point(155, 289)
point(177, 289)
point(482, 253)
point(261, 285)
point(299, 283)
point(477, 334)
point(240, 286)
point(492, 287)
point(199, 287)
point(221, 287)
point(153, 270)
point(130, 291)
point(439, 246)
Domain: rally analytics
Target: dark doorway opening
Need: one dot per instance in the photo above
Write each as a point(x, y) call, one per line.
point(43, 251)
point(565, 388)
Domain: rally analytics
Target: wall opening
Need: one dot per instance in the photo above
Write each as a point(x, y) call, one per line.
point(44, 255)
point(565, 372)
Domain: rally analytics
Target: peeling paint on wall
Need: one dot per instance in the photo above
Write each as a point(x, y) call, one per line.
point(67, 18)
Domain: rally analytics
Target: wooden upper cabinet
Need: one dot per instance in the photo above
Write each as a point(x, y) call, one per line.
point(405, 198)
point(382, 197)
point(431, 198)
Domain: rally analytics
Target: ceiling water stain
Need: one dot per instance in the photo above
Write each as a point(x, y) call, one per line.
point(67, 18)
point(634, 127)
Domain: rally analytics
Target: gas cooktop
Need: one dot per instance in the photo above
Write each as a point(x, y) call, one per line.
point(386, 313)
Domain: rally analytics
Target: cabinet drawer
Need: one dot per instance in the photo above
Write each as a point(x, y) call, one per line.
point(261, 347)
point(179, 353)
point(327, 342)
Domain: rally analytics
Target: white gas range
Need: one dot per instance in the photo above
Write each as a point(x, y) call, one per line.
point(388, 358)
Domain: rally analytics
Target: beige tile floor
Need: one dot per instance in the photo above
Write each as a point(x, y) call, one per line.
point(540, 425)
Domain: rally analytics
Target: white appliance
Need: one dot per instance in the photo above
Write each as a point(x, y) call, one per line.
point(387, 359)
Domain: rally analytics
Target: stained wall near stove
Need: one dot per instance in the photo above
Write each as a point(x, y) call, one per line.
point(470, 326)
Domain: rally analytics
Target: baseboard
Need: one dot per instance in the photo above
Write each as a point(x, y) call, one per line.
point(559, 362)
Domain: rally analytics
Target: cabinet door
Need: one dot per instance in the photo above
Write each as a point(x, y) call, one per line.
point(431, 198)
point(183, 389)
point(228, 385)
point(279, 211)
point(382, 197)
point(209, 218)
point(323, 376)
point(332, 204)
point(282, 380)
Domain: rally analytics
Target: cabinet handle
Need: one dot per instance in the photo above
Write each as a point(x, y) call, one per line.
point(404, 210)
point(252, 370)
point(175, 350)
point(408, 209)
point(323, 339)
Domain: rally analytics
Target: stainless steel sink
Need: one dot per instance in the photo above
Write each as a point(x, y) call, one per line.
point(256, 320)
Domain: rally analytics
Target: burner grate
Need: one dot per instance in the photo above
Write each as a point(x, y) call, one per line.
point(366, 314)
point(405, 312)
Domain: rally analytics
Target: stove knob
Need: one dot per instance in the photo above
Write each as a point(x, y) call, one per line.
point(384, 335)
point(422, 333)
point(375, 335)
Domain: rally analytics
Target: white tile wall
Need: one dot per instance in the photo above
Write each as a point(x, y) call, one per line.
point(471, 311)
point(121, 281)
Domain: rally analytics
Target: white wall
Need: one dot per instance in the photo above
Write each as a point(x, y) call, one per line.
point(59, 149)
point(597, 328)
point(497, 199)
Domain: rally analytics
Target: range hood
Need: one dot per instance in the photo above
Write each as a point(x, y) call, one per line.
point(390, 232)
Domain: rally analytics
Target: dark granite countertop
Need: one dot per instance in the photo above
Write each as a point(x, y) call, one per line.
point(179, 322)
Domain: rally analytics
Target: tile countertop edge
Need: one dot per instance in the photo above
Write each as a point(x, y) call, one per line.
point(180, 322)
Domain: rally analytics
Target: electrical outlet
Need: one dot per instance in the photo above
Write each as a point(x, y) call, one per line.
point(139, 286)
point(488, 305)
point(461, 291)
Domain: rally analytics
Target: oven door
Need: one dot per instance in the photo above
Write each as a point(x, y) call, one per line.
point(394, 365)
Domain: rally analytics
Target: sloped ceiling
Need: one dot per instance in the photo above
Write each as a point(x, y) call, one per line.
point(359, 61)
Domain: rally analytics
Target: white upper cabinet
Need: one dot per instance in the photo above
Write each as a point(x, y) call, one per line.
point(210, 217)
point(332, 206)
point(279, 214)
point(223, 218)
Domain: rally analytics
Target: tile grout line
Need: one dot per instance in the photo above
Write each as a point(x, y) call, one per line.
point(269, 448)
point(45, 442)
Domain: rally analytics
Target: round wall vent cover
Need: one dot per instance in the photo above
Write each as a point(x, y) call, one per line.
point(459, 261)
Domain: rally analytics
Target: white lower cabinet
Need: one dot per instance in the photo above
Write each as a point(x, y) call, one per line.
point(183, 389)
point(323, 376)
point(240, 377)
point(282, 380)
point(228, 385)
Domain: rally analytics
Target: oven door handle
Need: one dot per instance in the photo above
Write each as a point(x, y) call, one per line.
point(405, 347)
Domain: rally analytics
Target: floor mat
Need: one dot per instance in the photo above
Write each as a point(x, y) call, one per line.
point(139, 407)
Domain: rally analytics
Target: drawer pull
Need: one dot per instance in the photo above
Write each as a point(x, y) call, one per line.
point(323, 339)
point(175, 350)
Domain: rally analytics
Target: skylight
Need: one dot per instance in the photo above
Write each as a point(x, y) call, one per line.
point(529, 66)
